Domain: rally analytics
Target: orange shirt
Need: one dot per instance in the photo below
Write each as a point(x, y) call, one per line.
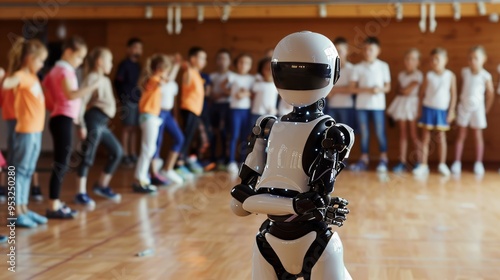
point(8, 104)
point(193, 94)
point(150, 102)
point(29, 104)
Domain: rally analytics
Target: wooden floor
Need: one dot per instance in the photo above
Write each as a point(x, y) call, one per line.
point(399, 228)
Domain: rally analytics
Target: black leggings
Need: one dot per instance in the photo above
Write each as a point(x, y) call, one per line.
point(190, 125)
point(98, 132)
point(61, 128)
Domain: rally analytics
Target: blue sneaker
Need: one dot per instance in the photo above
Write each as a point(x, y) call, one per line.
point(159, 180)
point(184, 172)
point(107, 192)
point(399, 168)
point(359, 166)
point(143, 188)
point(39, 219)
point(63, 213)
point(84, 199)
point(194, 166)
point(25, 221)
point(3, 238)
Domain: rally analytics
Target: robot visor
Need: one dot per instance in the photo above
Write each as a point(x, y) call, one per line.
point(301, 75)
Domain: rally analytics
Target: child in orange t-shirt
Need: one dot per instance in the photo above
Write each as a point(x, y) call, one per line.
point(26, 58)
point(192, 96)
point(156, 72)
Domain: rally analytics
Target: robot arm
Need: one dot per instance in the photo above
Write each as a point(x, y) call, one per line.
point(253, 166)
point(336, 145)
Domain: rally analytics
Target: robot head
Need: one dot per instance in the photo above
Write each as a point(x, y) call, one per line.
point(305, 67)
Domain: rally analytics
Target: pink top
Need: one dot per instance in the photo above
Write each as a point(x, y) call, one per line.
point(56, 100)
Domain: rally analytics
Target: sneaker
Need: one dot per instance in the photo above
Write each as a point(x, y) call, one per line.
point(421, 170)
point(25, 221)
point(399, 168)
point(36, 193)
point(37, 218)
point(64, 213)
point(107, 192)
point(210, 167)
point(3, 194)
point(3, 238)
point(443, 169)
point(172, 176)
point(184, 172)
point(159, 180)
point(194, 166)
point(359, 166)
point(456, 167)
point(127, 161)
point(382, 166)
point(232, 168)
point(84, 199)
point(143, 188)
point(478, 168)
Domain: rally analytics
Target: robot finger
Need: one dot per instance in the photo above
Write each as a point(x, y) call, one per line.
point(339, 201)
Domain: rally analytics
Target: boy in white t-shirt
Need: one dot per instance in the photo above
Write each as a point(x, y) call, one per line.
point(439, 92)
point(476, 100)
point(340, 99)
point(265, 93)
point(371, 81)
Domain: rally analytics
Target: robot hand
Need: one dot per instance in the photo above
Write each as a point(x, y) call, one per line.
point(337, 211)
point(309, 202)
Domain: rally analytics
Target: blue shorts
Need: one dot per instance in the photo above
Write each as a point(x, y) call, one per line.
point(434, 119)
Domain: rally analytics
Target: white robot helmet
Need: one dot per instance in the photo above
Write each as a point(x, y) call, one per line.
point(305, 66)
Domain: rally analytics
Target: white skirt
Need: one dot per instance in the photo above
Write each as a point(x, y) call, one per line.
point(404, 108)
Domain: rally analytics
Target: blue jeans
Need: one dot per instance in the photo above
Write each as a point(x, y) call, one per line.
point(240, 129)
point(364, 119)
point(26, 152)
point(345, 116)
point(11, 139)
point(170, 126)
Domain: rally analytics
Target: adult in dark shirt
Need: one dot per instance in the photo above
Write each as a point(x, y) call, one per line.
point(126, 84)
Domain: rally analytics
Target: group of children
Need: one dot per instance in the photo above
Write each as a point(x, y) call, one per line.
point(221, 106)
point(429, 101)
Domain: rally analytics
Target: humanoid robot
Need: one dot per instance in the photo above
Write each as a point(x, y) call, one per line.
point(291, 167)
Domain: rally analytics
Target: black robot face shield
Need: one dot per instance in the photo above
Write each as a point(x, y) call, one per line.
point(304, 75)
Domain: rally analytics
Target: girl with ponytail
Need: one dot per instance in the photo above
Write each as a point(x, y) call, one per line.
point(26, 58)
point(97, 110)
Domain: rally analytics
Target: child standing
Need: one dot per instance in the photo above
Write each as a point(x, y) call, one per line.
point(439, 92)
point(371, 81)
point(340, 99)
point(404, 108)
point(220, 106)
point(26, 58)
point(64, 100)
point(155, 73)
point(265, 92)
point(97, 109)
point(192, 97)
point(476, 100)
point(240, 104)
point(169, 125)
point(127, 76)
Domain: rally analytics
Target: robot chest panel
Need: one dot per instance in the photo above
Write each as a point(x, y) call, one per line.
point(285, 156)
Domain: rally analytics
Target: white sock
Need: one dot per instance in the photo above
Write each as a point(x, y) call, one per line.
point(82, 185)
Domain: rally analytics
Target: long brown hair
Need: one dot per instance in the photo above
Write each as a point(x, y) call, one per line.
point(21, 49)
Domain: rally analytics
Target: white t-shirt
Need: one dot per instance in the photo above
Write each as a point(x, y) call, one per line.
point(406, 79)
point(369, 75)
point(344, 99)
point(265, 98)
point(239, 82)
point(168, 92)
point(473, 88)
point(217, 80)
point(438, 91)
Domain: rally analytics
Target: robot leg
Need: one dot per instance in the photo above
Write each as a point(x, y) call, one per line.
point(331, 263)
point(261, 269)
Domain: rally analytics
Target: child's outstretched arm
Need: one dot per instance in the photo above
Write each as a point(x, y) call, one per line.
point(75, 94)
point(453, 101)
point(490, 95)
